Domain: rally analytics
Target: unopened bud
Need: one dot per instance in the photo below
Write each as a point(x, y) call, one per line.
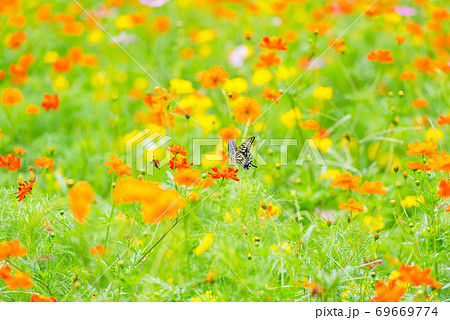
point(376, 236)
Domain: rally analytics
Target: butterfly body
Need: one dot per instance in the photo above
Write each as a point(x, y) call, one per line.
point(241, 155)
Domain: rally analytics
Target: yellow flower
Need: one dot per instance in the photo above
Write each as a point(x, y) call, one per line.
point(181, 86)
point(285, 247)
point(291, 117)
point(124, 21)
point(284, 73)
point(323, 93)
point(205, 50)
point(261, 76)
point(208, 123)
point(375, 223)
point(205, 35)
point(411, 201)
point(141, 83)
point(60, 83)
point(205, 243)
point(207, 297)
point(51, 56)
point(95, 36)
point(330, 174)
point(434, 134)
point(236, 85)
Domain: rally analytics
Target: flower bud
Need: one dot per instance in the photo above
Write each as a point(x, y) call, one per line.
point(417, 182)
point(376, 236)
point(329, 222)
point(245, 230)
point(396, 168)
point(405, 174)
point(263, 204)
point(393, 202)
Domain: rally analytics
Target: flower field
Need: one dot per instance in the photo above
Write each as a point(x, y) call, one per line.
point(129, 172)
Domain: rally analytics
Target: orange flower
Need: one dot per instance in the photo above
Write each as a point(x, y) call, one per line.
point(444, 189)
point(45, 162)
point(424, 65)
point(414, 28)
point(177, 149)
point(73, 28)
point(228, 133)
point(416, 276)
point(427, 149)
point(268, 59)
point(269, 212)
point(179, 163)
point(19, 151)
point(162, 24)
point(372, 188)
point(81, 196)
point(352, 206)
point(16, 40)
point(19, 280)
point(440, 14)
point(11, 249)
point(206, 183)
point(247, 110)
point(25, 188)
point(187, 177)
point(75, 55)
point(17, 20)
point(310, 124)
point(130, 190)
point(382, 56)
point(346, 181)
point(400, 39)
point(62, 65)
point(273, 43)
point(44, 12)
point(10, 162)
point(2, 74)
point(214, 77)
point(440, 162)
point(443, 120)
point(271, 94)
point(388, 292)
point(5, 271)
point(338, 45)
point(48, 226)
point(116, 165)
point(42, 298)
point(98, 250)
point(50, 102)
point(420, 103)
point(166, 204)
point(414, 166)
point(32, 109)
point(224, 173)
point(9, 6)
point(11, 97)
point(320, 27)
point(407, 75)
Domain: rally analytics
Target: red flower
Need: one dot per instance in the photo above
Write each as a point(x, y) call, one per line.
point(10, 162)
point(225, 173)
point(177, 149)
point(50, 102)
point(179, 163)
point(273, 43)
point(25, 189)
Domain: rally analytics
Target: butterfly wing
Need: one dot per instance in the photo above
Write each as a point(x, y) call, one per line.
point(243, 154)
point(232, 151)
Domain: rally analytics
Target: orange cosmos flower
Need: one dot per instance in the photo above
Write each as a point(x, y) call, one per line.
point(44, 12)
point(5, 271)
point(187, 177)
point(11, 97)
point(414, 28)
point(372, 188)
point(25, 188)
point(440, 162)
point(162, 24)
point(310, 124)
point(166, 204)
point(268, 59)
point(424, 65)
point(98, 250)
point(420, 103)
point(270, 94)
point(400, 39)
point(382, 56)
point(45, 162)
point(444, 189)
point(417, 276)
point(72, 28)
point(50, 102)
point(346, 181)
point(130, 190)
point(11, 249)
point(32, 109)
point(440, 14)
point(179, 163)
point(19, 151)
point(17, 20)
point(116, 165)
point(177, 149)
point(443, 120)
point(427, 149)
point(269, 212)
point(273, 43)
point(9, 6)
point(214, 77)
point(247, 110)
point(346, 7)
point(352, 206)
point(16, 40)
point(414, 166)
point(388, 292)
point(228, 133)
point(1, 134)
point(224, 173)
point(62, 65)
point(81, 196)
point(89, 60)
point(75, 55)
point(206, 183)
point(19, 280)
point(338, 45)
point(42, 298)
point(10, 162)
point(48, 226)
point(2, 74)
point(407, 75)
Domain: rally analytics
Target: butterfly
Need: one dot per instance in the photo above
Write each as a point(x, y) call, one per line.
point(241, 155)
